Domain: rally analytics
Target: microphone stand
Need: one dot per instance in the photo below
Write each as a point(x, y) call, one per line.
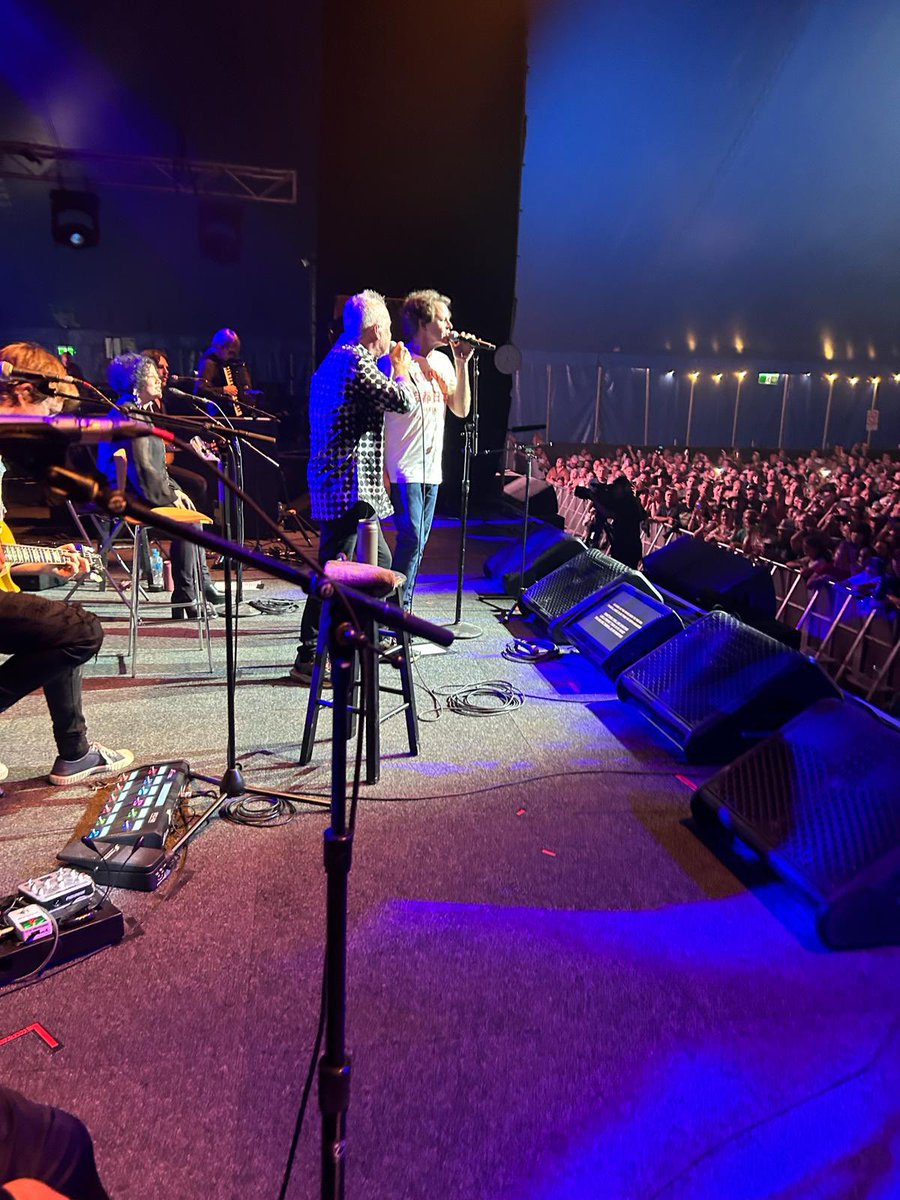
point(529, 452)
point(334, 1065)
point(232, 507)
point(459, 627)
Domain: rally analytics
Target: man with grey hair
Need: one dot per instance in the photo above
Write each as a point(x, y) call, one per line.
point(348, 399)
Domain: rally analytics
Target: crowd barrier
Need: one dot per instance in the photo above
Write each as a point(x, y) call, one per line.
point(853, 637)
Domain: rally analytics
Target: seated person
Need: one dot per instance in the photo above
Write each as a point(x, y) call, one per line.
point(49, 641)
point(136, 382)
point(178, 462)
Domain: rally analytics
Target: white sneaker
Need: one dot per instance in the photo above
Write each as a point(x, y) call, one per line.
point(4, 771)
point(94, 765)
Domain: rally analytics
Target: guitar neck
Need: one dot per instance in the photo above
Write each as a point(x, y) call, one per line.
point(14, 555)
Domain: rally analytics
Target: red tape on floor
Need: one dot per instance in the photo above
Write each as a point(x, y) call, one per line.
point(47, 1038)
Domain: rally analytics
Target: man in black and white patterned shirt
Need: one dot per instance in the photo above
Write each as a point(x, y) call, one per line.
point(348, 398)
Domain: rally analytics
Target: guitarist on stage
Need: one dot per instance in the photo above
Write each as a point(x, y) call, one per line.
point(48, 641)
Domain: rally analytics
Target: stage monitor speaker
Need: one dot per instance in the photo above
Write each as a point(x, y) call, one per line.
point(711, 577)
point(585, 574)
point(542, 501)
point(620, 626)
point(720, 685)
point(546, 548)
point(818, 802)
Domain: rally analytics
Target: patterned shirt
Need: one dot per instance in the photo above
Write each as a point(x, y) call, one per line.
point(347, 402)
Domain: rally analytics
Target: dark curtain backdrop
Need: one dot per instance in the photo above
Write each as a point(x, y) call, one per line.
point(205, 81)
point(420, 167)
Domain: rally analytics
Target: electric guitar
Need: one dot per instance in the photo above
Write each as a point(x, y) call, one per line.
point(14, 555)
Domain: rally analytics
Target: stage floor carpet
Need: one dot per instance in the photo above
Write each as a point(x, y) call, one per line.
point(555, 988)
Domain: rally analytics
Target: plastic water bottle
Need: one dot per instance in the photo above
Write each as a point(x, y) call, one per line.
point(156, 568)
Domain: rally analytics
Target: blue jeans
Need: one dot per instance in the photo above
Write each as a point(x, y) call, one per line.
point(413, 514)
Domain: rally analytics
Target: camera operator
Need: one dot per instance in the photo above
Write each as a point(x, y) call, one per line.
point(618, 513)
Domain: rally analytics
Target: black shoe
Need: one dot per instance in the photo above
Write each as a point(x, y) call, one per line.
point(184, 612)
point(212, 593)
point(184, 606)
point(302, 672)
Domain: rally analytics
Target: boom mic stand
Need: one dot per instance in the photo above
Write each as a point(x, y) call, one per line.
point(530, 452)
point(459, 627)
point(334, 1065)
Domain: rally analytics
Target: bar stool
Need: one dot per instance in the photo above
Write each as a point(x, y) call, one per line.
point(367, 688)
point(134, 596)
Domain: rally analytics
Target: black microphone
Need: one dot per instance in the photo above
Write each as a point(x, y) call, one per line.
point(197, 400)
point(191, 381)
point(8, 371)
point(87, 430)
point(477, 342)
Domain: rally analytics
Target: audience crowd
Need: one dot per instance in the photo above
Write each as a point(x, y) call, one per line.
point(835, 516)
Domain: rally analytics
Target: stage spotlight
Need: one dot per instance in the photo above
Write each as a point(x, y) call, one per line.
point(75, 218)
point(220, 231)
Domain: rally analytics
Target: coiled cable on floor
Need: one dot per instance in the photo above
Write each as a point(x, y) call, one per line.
point(529, 650)
point(257, 810)
point(484, 699)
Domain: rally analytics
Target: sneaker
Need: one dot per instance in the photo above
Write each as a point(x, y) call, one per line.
point(4, 771)
point(94, 765)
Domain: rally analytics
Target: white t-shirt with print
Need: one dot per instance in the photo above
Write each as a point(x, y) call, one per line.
point(414, 441)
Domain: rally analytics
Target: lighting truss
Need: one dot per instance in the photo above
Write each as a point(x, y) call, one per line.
point(42, 164)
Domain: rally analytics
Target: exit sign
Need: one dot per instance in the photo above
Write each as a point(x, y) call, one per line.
point(768, 379)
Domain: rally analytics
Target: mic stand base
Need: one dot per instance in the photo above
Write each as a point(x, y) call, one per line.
point(463, 629)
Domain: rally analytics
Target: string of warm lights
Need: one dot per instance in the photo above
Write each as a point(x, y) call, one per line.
point(775, 377)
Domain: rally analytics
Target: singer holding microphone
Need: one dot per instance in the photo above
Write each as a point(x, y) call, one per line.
point(348, 399)
point(414, 441)
point(49, 641)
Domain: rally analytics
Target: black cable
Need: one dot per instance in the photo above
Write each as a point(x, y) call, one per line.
point(367, 664)
point(38, 971)
point(781, 1112)
point(529, 650)
point(497, 787)
point(307, 1085)
point(254, 810)
point(435, 703)
point(11, 990)
point(485, 699)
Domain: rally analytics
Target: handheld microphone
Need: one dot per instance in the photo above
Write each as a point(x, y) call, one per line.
point(8, 371)
point(477, 342)
point(86, 430)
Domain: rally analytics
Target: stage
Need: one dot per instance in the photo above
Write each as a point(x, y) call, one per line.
point(556, 989)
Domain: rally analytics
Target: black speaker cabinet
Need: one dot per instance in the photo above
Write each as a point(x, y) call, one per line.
point(711, 577)
point(719, 686)
point(585, 574)
point(546, 548)
point(818, 801)
point(619, 626)
point(542, 502)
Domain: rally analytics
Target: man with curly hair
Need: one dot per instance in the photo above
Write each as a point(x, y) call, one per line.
point(414, 441)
